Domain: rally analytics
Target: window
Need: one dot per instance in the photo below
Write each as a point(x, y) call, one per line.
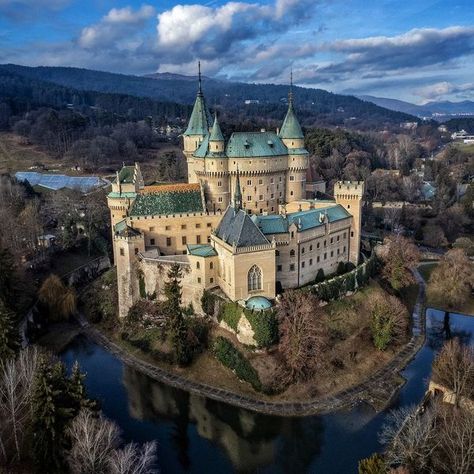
point(291, 193)
point(211, 280)
point(271, 196)
point(249, 182)
point(183, 226)
point(325, 256)
point(211, 265)
point(338, 238)
point(219, 183)
point(292, 267)
point(209, 224)
point(198, 226)
point(183, 240)
point(338, 251)
point(277, 253)
point(208, 239)
point(302, 250)
point(310, 248)
point(292, 253)
point(318, 259)
point(122, 252)
point(344, 235)
point(317, 246)
point(168, 227)
point(324, 243)
point(152, 229)
point(260, 197)
point(292, 234)
point(249, 198)
point(254, 278)
point(152, 241)
point(292, 178)
point(310, 261)
point(302, 265)
point(168, 241)
point(352, 233)
point(344, 249)
point(198, 265)
point(280, 179)
point(278, 268)
point(219, 199)
point(260, 181)
point(332, 253)
point(198, 239)
point(136, 251)
point(199, 279)
point(332, 240)
point(271, 180)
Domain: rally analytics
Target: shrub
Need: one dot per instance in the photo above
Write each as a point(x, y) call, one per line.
point(264, 325)
point(228, 355)
point(319, 276)
point(341, 268)
point(230, 313)
point(375, 464)
point(208, 303)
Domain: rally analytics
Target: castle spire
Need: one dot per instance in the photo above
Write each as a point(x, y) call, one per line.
point(291, 128)
point(237, 193)
point(200, 120)
point(199, 78)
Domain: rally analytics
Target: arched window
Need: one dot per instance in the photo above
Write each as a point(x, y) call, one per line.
point(254, 278)
point(292, 253)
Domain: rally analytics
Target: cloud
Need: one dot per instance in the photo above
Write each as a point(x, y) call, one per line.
point(118, 24)
point(442, 89)
point(416, 49)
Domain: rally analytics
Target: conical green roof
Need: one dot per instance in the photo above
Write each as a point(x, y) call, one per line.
point(200, 121)
point(291, 128)
point(216, 132)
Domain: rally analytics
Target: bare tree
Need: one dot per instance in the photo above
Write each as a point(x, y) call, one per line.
point(410, 439)
point(456, 451)
point(453, 368)
point(93, 439)
point(16, 382)
point(303, 334)
point(399, 255)
point(452, 281)
point(133, 460)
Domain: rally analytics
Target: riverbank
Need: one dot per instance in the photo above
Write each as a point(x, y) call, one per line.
point(377, 390)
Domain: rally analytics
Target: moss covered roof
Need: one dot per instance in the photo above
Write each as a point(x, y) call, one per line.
point(168, 199)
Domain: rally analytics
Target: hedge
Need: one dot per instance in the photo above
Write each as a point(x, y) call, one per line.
point(264, 323)
point(228, 355)
point(338, 286)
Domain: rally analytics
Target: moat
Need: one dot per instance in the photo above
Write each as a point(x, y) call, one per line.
point(195, 434)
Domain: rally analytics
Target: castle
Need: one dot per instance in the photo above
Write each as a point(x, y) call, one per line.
point(241, 226)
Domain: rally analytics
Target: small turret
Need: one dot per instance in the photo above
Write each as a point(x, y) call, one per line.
point(216, 139)
point(237, 194)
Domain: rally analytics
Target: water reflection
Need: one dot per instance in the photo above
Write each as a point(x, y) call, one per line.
point(247, 438)
point(198, 435)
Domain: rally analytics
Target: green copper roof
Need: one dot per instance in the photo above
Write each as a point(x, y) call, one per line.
point(255, 144)
point(167, 203)
point(216, 132)
point(279, 224)
point(202, 250)
point(200, 119)
point(203, 150)
point(291, 127)
point(130, 195)
point(126, 174)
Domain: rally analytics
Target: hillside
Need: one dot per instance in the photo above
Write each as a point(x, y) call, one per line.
point(317, 106)
point(446, 108)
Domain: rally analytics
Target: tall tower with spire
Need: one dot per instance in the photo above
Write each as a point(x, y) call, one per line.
point(198, 128)
point(292, 136)
point(237, 201)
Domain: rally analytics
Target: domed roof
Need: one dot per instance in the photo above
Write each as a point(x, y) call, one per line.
point(258, 303)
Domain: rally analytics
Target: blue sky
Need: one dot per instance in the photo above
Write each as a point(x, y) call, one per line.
point(417, 50)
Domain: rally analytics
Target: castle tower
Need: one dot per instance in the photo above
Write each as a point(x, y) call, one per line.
point(197, 130)
point(349, 194)
point(216, 139)
point(127, 243)
point(292, 136)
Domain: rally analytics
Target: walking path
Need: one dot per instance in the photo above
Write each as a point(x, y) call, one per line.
point(377, 390)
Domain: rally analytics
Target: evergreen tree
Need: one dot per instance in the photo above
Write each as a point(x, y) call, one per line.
point(7, 276)
point(177, 327)
point(9, 340)
point(56, 400)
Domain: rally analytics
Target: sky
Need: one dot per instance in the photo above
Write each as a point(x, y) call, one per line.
point(418, 50)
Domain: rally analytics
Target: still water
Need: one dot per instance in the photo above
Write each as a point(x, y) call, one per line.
point(198, 435)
